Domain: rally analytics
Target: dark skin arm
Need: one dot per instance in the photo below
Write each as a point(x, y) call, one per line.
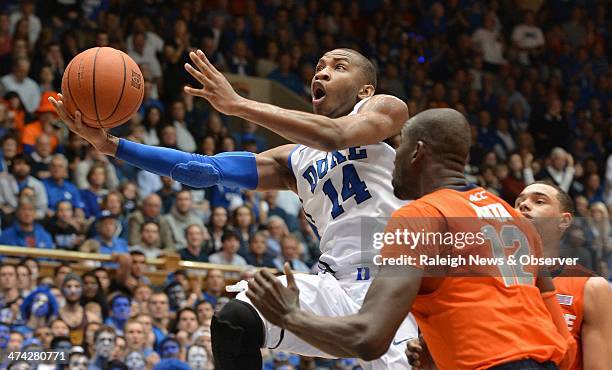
point(364, 335)
point(272, 167)
point(378, 119)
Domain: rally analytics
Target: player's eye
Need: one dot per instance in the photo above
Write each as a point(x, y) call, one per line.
point(319, 67)
point(341, 67)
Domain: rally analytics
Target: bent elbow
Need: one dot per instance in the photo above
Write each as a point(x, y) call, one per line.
point(371, 349)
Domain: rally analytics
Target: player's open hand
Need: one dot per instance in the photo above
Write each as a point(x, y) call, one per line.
point(94, 135)
point(272, 298)
point(215, 87)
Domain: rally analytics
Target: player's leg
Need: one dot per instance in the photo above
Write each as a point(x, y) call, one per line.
point(319, 294)
point(237, 336)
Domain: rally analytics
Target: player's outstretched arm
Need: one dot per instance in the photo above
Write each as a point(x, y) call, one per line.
point(265, 171)
point(379, 118)
point(366, 335)
point(596, 330)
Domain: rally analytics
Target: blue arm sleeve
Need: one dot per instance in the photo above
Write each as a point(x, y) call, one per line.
point(231, 169)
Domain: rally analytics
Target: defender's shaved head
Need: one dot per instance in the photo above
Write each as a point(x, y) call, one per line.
point(444, 130)
point(434, 150)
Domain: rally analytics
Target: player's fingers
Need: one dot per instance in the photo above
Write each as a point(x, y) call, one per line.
point(263, 282)
point(268, 276)
point(205, 60)
point(195, 92)
point(290, 278)
point(199, 62)
point(197, 74)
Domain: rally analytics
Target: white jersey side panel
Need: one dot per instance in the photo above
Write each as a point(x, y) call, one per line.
point(338, 189)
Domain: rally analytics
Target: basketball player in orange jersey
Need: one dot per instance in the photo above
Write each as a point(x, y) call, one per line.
point(487, 322)
point(585, 298)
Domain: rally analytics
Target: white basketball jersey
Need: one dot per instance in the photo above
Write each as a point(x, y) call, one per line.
point(338, 189)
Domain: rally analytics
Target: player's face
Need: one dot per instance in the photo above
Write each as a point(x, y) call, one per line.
point(405, 184)
point(539, 203)
point(335, 84)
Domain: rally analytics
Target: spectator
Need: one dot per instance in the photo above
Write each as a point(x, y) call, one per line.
point(519, 176)
point(58, 188)
point(159, 308)
point(149, 240)
point(139, 54)
point(198, 244)
point(152, 121)
point(113, 202)
point(285, 76)
point(290, 252)
point(167, 193)
point(120, 313)
point(240, 61)
point(184, 139)
point(104, 339)
point(105, 242)
point(182, 215)
point(527, 37)
point(15, 181)
point(27, 12)
point(150, 211)
point(593, 189)
point(135, 341)
point(83, 168)
point(215, 286)
point(92, 196)
point(257, 255)
point(64, 227)
point(46, 123)
point(277, 229)
point(561, 169)
point(243, 222)
point(601, 229)
point(26, 232)
point(8, 152)
point(230, 243)
point(92, 292)
point(217, 226)
point(487, 41)
point(72, 313)
point(9, 295)
point(41, 157)
point(23, 85)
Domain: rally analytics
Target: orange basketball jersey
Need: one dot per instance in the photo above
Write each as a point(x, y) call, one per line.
point(570, 294)
point(484, 311)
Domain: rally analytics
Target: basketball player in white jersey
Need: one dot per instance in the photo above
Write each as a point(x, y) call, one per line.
point(341, 171)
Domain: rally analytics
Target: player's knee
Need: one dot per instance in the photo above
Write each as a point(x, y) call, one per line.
point(237, 323)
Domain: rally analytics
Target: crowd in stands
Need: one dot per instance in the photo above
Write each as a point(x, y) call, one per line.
point(532, 77)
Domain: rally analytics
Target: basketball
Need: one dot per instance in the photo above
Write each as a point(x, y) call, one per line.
point(105, 84)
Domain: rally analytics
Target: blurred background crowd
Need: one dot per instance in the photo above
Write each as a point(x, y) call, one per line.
point(531, 76)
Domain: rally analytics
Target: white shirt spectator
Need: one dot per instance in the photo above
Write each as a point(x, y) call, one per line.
point(528, 37)
point(184, 139)
point(153, 43)
point(487, 42)
point(34, 26)
point(28, 90)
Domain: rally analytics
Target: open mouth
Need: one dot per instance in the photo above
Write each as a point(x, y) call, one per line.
point(318, 93)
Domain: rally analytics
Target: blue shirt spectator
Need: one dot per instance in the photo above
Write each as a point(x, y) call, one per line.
point(285, 76)
point(25, 232)
point(58, 188)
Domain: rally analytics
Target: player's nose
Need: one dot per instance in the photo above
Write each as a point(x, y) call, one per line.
point(322, 75)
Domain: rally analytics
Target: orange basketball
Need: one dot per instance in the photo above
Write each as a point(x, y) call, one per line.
point(105, 84)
